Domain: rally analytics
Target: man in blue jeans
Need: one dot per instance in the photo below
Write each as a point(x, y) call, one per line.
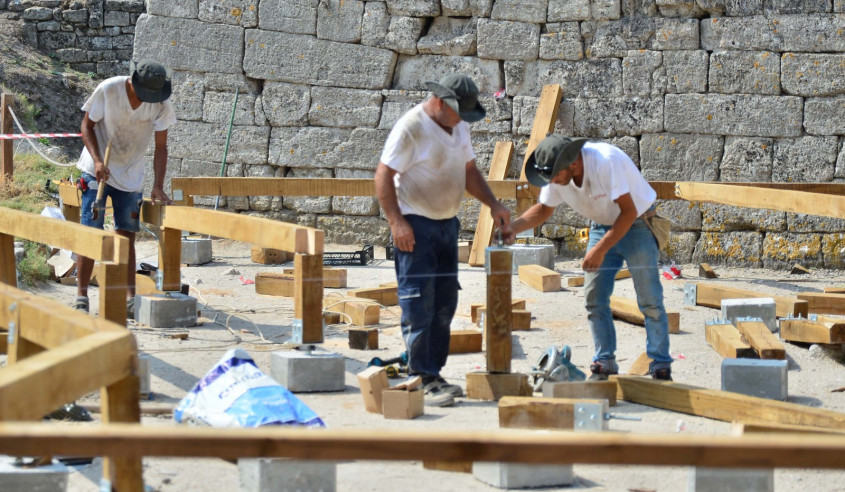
point(426, 166)
point(601, 183)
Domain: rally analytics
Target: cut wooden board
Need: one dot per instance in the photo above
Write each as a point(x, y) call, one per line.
point(498, 321)
point(464, 248)
point(544, 123)
point(274, 284)
point(465, 342)
point(539, 278)
point(502, 154)
point(528, 412)
point(334, 278)
point(727, 341)
point(363, 338)
point(386, 296)
point(627, 310)
point(801, 202)
point(269, 256)
point(449, 466)
point(474, 308)
point(722, 405)
point(834, 290)
point(827, 303)
point(750, 428)
point(822, 330)
point(603, 390)
point(711, 296)
point(640, 366)
point(521, 320)
point(579, 281)
point(761, 339)
point(705, 271)
point(353, 310)
point(488, 386)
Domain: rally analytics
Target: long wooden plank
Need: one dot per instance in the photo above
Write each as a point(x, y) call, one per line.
point(544, 122)
point(628, 310)
point(499, 318)
point(727, 341)
point(711, 296)
point(801, 202)
point(722, 405)
point(761, 339)
point(502, 155)
point(504, 445)
point(822, 330)
point(827, 303)
point(579, 280)
point(758, 428)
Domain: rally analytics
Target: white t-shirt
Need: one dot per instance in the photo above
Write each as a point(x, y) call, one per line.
point(430, 164)
point(129, 131)
point(608, 174)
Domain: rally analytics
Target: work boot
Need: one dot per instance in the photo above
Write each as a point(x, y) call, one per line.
point(602, 369)
point(435, 394)
point(453, 389)
point(81, 304)
point(664, 374)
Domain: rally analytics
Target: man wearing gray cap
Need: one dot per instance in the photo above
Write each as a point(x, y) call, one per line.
point(426, 166)
point(601, 183)
point(122, 115)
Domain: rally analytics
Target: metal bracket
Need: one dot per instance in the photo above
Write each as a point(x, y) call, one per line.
point(10, 339)
point(297, 333)
point(717, 321)
point(177, 195)
point(748, 318)
point(690, 294)
point(590, 417)
point(487, 261)
point(160, 278)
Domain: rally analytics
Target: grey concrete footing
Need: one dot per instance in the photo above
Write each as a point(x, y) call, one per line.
point(196, 251)
point(755, 377)
point(704, 479)
point(521, 475)
point(533, 254)
point(50, 478)
point(284, 475)
point(763, 308)
point(308, 371)
point(166, 310)
point(144, 375)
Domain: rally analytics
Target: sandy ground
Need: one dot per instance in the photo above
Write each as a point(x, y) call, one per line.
point(233, 315)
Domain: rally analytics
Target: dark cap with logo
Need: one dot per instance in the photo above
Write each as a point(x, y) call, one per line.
point(150, 80)
point(552, 155)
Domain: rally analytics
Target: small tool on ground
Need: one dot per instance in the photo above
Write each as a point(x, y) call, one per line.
point(379, 362)
point(99, 204)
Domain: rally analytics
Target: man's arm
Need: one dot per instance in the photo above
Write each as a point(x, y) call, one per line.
point(160, 169)
point(403, 233)
point(89, 138)
point(478, 187)
point(531, 218)
point(595, 256)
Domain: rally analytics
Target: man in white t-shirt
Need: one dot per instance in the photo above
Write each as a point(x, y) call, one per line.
point(601, 183)
point(426, 166)
point(126, 112)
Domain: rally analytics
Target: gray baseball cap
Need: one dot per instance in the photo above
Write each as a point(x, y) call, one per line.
point(150, 80)
point(461, 94)
point(552, 155)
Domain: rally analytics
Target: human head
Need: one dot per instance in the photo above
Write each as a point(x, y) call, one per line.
point(460, 93)
point(554, 154)
point(150, 81)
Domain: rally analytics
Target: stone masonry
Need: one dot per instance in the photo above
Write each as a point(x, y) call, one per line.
point(698, 90)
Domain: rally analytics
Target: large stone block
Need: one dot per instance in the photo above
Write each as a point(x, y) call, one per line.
point(747, 72)
point(744, 249)
point(186, 45)
point(304, 59)
point(360, 151)
point(304, 147)
point(508, 40)
point(355, 205)
point(643, 73)
point(286, 104)
point(680, 248)
point(813, 74)
point(451, 37)
point(217, 108)
point(561, 41)
point(413, 71)
point(242, 13)
point(616, 38)
point(340, 20)
point(738, 115)
point(686, 70)
point(568, 10)
point(782, 33)
point(727, 218)
point(785, 250)
point(796, 6)
point(825, 115)
point(685, 216)
point(586, 78)
point(521, 10)
point(397, 33)
point(813, 223)
point(616, 116)
point(355, 230)
point(173, 8)
point(678, 157)
point(804, 159)
point(746, 160)
point(331, 106)
point(292, 16)
point(206, 141)
point(414, 8)
point(833, 250)
point(605, 9)
point(466, 8)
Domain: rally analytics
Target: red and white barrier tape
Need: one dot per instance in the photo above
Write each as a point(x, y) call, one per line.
point(16, 136)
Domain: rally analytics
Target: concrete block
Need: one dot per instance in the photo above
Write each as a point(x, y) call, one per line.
point(144, 375)
point(760, 307)
point(308, 371)
point(196, 251)
point(166, 310)
point(533, 254)
point(51, 478)
point(765, 378)
point(285, 475)
point(520, 475)
point(704, 479)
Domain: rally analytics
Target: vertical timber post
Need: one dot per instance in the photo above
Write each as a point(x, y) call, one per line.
point(6, 154)
point(308, 298)
point(499, 318)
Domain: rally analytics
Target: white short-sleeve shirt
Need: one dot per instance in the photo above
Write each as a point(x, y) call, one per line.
point(608, 174)
point(129, 130)
point(430, 164)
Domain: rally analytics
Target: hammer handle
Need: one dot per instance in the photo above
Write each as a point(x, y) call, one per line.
point(106, 166)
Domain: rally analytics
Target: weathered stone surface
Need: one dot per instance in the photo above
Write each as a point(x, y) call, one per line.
point(242, 13)
point(303, 59)
point(783, 33)
point(565, 215)
point(680, 8)
point(75, 16)
point(37, 14)
point(813, 74)
point(685, 216)
point(116, 18)
point(743, 249)
point(355, 230)
point(309, 205)
point(520, 10)
point(447, 36)
point(291, 16)
point(561, 41)
point(414, 8)
point(304, 147)
point(228, 82)
point(785, 250)
point(748, 72)
point(640, 7)
point(397, 33)
point(72, 55)
point(796, 6)
point(813, 223)
point(286, 104)
point(825, 115)
point(680, 157)
point(508, 40)
point(569, 246)
point(605, 9)
point(643, 73)
point(136, 6)
point(680, 248)
point(173, 8)
point(616, 38)
point(746, 160)
point(568, 10)
point(524, 110)
point(833, 250)
point(747, 115)
point(331, 106)
point(340, 20)
point(686, 70)
point(393, 110)
point(618, 116)
point(185, 44)
point(497, 119)
point(804, 159)
point(206, 141)
point(727, 218)
point(217, 108)
point(466, 8)
point(355, 205)
point(55, 40)
point(360, 150)
point(412, 72)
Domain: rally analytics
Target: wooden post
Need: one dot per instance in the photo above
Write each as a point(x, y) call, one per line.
point(120, 404)
point(308, 298)
point(544, 122)
point(170, 258)
point(112, 283)
point(6, 155)
point(18, 347)
point(497, 321)
point(484, 229)
point(8, 274)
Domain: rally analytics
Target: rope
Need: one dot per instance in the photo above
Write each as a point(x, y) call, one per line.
point(17, 136)
point(29, 141)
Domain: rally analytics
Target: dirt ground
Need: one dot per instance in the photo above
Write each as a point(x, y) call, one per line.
point(233, 315)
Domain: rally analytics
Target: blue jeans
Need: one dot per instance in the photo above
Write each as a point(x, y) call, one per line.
point(428, 292)
point(126, 206)
point(639, 249)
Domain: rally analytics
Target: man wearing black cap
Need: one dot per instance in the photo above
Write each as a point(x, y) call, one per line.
point(125, 113)
point(426, 166)
point(602, 183)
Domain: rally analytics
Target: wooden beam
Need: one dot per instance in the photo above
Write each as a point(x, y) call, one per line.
point(711, 296)
point(8, 264)
point(722, 405)
point(499, 165)
point(603, 390)
point(540, 278)
point(528, 412)
point(827, 303)
point(757, 428)
point(353, 310)
point(120, 405)
point(170, 258)
point(334, 278)
point(579, 280)
point(274, 284)
point(308, 295)
point(628, 310)
point(727, 341)
point(498, 321)
point(386, 296)
point(544, 123)
point(761, 339)
point(801, 202)
point(641, 365)
point(7, 154)
point(706, 271)
point(112, 288)
point(820, 330)
point(465, 341)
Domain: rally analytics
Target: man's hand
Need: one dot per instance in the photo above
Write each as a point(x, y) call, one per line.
point(592, 260)
point(158, 195)
point(501, 214)
point(403, 235)
point(508, 234)
point(101, 172)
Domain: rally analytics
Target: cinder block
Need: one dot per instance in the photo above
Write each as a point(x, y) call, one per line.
point(761, 307)
point(306, 372)
point(765, 378)
point(704, 479)
point(534, 254)
point(144, 375)
point(520, 475)
point(50, 478)
point(284, 475)
point(166, 310)
point(196, 251)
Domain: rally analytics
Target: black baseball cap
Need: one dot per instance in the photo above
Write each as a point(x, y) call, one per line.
point(150, 80)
